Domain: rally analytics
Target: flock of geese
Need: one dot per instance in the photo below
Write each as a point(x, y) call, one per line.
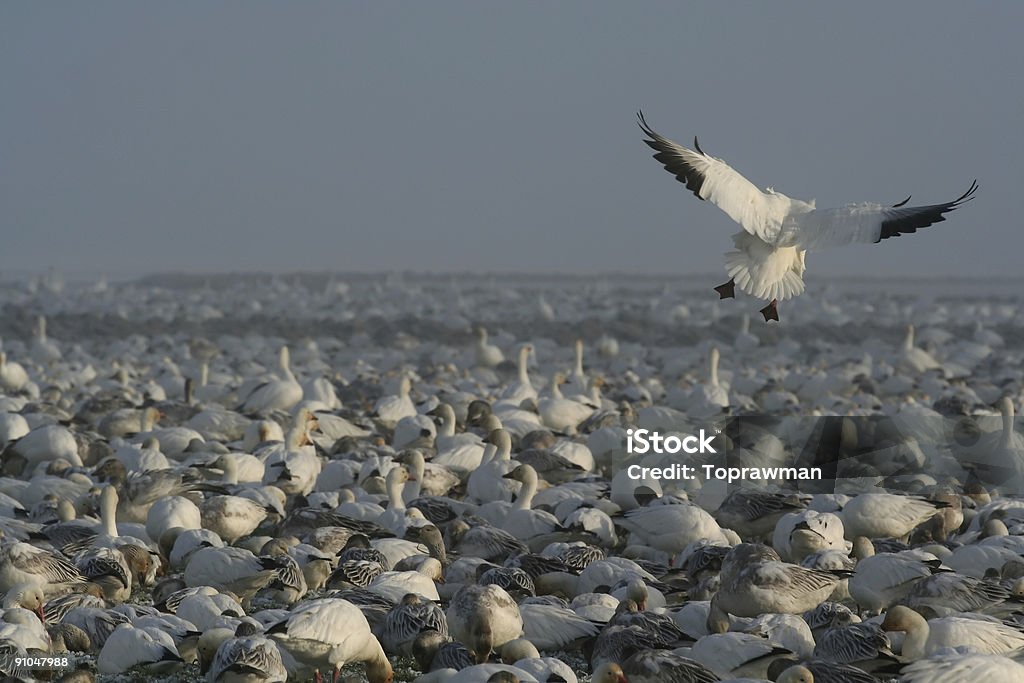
point(434, 497)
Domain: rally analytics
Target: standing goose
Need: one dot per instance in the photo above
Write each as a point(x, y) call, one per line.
point(770, 254)
point(483, 618)
point(330, 632)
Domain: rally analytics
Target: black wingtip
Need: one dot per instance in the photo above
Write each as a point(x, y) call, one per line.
point(969, 195)
point(896, 206)
point(697, 145)
point(642, 122)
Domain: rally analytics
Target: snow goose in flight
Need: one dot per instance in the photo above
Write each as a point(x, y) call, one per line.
point(770, 254)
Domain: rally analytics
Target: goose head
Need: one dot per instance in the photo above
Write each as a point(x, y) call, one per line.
point(609, 672)
point(522, 473)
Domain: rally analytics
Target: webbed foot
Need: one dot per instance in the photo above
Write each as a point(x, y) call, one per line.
point(726, 291)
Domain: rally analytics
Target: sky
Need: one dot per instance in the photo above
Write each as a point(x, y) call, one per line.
point(193, 136)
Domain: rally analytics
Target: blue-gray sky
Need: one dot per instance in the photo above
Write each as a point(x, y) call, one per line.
point(452, 136)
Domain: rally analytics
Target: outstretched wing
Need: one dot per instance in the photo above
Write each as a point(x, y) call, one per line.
point(715, 181)
point(866, 223)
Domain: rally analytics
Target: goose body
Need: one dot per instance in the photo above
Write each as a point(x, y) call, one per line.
point(769, 258)
point(330, 632)
point(146, 649)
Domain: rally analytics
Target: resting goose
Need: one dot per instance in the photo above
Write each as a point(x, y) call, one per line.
point(147, 649)
point(523, 522)
point(560, 413)
point(956, 667)
point(755, 581)
point(486, 355)
point(926, 638)
point(885, 579)
point(12, 375)
point(277, 394)
point(21, 563)
point(771, 250)
point(390, 409)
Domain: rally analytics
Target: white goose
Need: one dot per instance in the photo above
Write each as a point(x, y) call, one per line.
point(232, 569)
point(391, 409)
point(486, 355)
point(882, 580)
point(149, 650)
point(925, 638)
point(12, 376)
point(560, 413)
point(521, 389)
point(487, 483)
point(707, 399)
point(395, 517)
point(330, 632)
point(279, 394)
point(912, 359)
point(44, 350)
point(770, 254)
point(884, 515)
point(45, 444)
point(522, 521)
point(577, 384)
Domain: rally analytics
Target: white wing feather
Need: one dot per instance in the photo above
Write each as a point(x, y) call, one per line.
point(760, 213)
point(863, 223)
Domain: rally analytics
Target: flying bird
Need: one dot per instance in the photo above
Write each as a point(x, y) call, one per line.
point(770, 252)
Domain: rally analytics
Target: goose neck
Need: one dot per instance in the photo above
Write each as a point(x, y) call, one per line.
point(524, 359)
point(448, 422)
point(416, 468)
point(556, 389)
point(908, 341)
point(524, 501)
point(230, 466)
point(916, 638)
point(108, 511)
point(395, 486)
